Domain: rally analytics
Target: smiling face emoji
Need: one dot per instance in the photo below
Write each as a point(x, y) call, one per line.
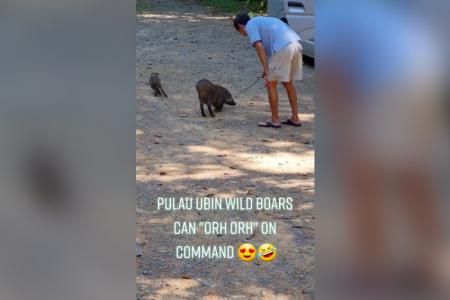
point(267, 252)
point(246, 252)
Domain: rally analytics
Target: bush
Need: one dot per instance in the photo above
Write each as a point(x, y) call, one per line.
point(253, 7)
point(256, 6)
point(142, 6)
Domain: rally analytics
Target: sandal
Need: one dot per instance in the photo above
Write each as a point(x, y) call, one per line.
point(268, 124)
point(291, 123)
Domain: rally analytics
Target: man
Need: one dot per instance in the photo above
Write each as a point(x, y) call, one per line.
point(280, 53)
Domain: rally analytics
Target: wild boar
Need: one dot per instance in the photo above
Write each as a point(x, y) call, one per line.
point(212, 95)
point(155, 84)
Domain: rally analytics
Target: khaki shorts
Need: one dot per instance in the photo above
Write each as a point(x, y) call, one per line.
point(287, 64)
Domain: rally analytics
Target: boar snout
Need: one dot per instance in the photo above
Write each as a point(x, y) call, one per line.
point(230, 102)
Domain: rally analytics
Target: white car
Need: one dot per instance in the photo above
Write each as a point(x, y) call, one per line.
point(300, 17)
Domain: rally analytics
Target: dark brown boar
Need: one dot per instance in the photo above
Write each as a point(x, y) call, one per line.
point(212, 95)
point(155, 84)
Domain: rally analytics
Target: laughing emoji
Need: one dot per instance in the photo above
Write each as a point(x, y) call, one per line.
point(267, 252)
point(246, 252)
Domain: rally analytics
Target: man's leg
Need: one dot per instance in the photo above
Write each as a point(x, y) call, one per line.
point(273, 101)
point(292, 95)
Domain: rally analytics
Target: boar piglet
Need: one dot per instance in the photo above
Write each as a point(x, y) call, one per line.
point(155, 84)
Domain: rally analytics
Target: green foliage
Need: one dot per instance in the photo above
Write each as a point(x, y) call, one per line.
point(253, 7)
point(142, 6)
point(256, 7)
point(224, 5)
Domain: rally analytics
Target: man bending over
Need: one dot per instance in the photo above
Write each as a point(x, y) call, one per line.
point(280, 53)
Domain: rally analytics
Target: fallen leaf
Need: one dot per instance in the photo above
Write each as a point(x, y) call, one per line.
point(267, 140)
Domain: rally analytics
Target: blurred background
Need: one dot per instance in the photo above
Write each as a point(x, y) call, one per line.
point(67, 127)
point(382, 150)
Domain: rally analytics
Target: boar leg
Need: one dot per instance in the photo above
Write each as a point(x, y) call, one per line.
point(218, 108)
point(203, 111)
point(162, 92)
point(210, 110)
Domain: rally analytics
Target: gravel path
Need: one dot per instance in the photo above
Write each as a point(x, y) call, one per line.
point(179, 153)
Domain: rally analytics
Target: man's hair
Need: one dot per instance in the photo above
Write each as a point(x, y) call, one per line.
point(241, 19)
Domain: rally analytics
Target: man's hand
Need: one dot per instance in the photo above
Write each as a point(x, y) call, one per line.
point(265, 74)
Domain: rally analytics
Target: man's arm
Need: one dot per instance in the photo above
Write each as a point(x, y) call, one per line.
point(262, 58)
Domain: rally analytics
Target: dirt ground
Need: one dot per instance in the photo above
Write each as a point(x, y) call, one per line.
point(180, 153)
